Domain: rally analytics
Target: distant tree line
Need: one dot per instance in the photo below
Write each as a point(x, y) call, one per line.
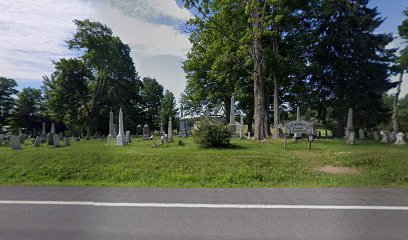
point(82, 91)
point(274, 55)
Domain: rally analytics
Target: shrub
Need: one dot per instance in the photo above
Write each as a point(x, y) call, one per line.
point(212, 134)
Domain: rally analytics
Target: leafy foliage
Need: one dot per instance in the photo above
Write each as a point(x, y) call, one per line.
point(212, 134)
point(28, 109)
point(7, 90)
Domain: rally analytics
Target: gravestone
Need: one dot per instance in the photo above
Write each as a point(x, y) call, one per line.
point(22, 137)
point(61, 136)
point(77, 139)
point(297, 135)
point(138, 130)
point(351, 138)
point(349, 126)
point(67, 141)
point(15, 143)
point(384, 135)
point(50, 138)
point(391, 136)
point(110, 139)
point(120, 139)
point(146, 132)
point(127, 139)
point(56, 140)
point(241, 123)
point(53, 128)
point(43, 129)
point(170, 131)
point(37, 141)
point(232, 125)
point(249, 136)
point(361, 134)
point(400, 139)
point(161, 129)
point(182, 125)
point(376, 136)
point(162, 139)
point(188, 131)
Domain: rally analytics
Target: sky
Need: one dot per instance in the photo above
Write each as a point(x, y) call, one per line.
point(33, 34)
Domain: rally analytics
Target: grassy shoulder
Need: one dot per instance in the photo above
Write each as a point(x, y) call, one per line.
point(246, 164)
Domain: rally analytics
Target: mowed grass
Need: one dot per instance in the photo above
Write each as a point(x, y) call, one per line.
point(246, 164)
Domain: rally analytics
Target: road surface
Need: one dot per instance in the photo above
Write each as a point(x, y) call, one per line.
point(137, 213)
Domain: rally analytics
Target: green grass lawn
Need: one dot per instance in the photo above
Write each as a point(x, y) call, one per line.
point(247, 164)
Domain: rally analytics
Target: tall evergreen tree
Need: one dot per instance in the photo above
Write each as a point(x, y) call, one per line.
point(28, 108)
point(7, 91)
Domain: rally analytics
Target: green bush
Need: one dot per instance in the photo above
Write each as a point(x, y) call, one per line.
point(212, 134)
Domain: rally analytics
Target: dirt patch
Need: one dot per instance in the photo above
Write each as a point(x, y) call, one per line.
point(339, 170)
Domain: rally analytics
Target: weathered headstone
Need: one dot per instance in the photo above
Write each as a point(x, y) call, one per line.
point(67, 141)
point(15, 143)
point(110, 139)
point(376, 136)
point(400, 139)
point(61, 136)
point(232, 125)
point(351, 138)
point(384, 136)
point(298, 135)
point(162, 139)
point(120, 139)
point(241, 123)
point(56, 140)
point(349, 126)
point(249, 136)
point(37, 141)
point(361, 134)
point(146, 132)
point(127, 139)
point(182, 126)
point(391, 136)
point(50, 138)
point(170, 131)
point(161, 129)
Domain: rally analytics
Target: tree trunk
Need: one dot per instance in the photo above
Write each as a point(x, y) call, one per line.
point(395, 125)
point(250, 121)
point(227, 106)
point(259, 91)
point(275, 108)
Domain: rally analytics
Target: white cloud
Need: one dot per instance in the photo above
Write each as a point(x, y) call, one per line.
point(33, 34)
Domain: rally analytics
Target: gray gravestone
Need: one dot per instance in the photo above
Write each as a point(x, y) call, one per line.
point(170, 131)
point(22, 137)
point(241, 132)
point(127, 139)
point(15, 143)
point(384, 135)
point(146, 132)
point(50, 138)
point(56, 140)
point(67, 141)
point(161, 129)
point(53, 128)
point(110, 139)
point(182, 125)
point(37, 141)
point(61, 136)
point(351, 138)
point(361, 134)
point(138, 130)
point(232, 125)
point(349, 126)
point(376, 137)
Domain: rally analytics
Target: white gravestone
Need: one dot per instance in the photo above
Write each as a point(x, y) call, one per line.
point(232, 125)
point(400, 139)
point(384, 135)
point(56, 140)
point(120, 138)
point(375, 136)
point(351, 138)
point(170, 131)
point(361, 134)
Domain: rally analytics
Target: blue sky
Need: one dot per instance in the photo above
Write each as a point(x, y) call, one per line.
point(33, 33)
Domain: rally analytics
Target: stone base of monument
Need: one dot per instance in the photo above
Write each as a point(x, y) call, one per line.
point(110, 140)
point(351, 138)
point(233, 129)
point(183, 133)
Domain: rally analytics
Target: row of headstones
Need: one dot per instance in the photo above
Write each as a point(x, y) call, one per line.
point(52, 139)
point(386, 136)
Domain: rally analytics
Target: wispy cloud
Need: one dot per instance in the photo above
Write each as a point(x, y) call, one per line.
point(33, 33)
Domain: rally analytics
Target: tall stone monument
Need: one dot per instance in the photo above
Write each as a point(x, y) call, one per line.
point(241, 130)
point(161, 129)
point(349, 126)
point(232, 125)
point(110, 140)
point(121, 134)
point(170, 131)
point(182, 125)
point(297, 135)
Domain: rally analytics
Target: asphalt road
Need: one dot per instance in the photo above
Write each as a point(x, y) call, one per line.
point(128, 213)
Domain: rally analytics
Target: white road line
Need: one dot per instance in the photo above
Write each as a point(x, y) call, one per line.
point(202, 205)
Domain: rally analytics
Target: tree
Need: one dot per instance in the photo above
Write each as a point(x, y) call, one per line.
point(350, 63)
point(68, 93)
point(116, 83)
point(27, 110)
point(152, 95)
point(7, 90)
point(403, 65)
point(167, 110)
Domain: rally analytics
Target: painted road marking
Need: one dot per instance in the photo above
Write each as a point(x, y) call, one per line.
point(202, 205)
